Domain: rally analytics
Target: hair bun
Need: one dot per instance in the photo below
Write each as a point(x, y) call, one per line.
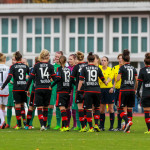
point(90, 53)
point(147, 55)
point(126, 52)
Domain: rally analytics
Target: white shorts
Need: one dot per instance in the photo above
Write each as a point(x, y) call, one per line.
point(3, 100)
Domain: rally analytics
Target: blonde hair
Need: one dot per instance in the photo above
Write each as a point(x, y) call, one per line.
point(80, 56)
point(44, 54)
point(2, 57)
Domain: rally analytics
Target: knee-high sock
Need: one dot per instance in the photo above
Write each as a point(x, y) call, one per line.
point(74, 117)
point(147, 119)
point(89, 118)
point(112, 119)
point(123, 115)
point(9, 115)
point(18, 116)
point(45, 113)
point(64, 118)
point(31, 121)
point(81, 117)
point(58, 116)
point(85, 120)
point(23, 112)
point(50, 115)
point(1, 117)
point(77, 118)
point(119, 119)
point(68, 116)
point(40, 116)
point(29, 116)
point(96, 115)
point(102, 120)
point(129, 114)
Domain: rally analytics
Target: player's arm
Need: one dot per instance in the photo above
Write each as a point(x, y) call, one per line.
point(101, 76)
point(139, 83)
point(58, 78)
point(52, 73)
point(73, 75)
point(81, 79)
point(136, 80)
point(119, 74)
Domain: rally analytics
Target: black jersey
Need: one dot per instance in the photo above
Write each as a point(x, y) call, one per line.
point(33, 86)
point(144, 77)
point(128, 74)
point(91, 74)
point(42, 72)
point(18, 71)
point(76, 73)
point(63, 79)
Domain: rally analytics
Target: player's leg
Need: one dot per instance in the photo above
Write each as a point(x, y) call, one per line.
point(29, 116)
point(147, 118)
point(112, 116)
point(1, 112)
point(23, 113)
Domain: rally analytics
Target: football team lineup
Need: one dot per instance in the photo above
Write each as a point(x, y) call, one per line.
point(78, 88)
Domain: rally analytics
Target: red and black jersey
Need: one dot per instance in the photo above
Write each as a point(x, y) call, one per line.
point(76, 73)
point(90, 74)
point(144, 77)
point(128, 74)
point(42, 72)
point(18, 71)
point(63, 79)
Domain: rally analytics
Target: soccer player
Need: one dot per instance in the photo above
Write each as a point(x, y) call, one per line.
point(63, 91)
point(10, 99)
point(5, 93)
point(128, 76)
point(18, 71)
point(53, 97)
point(116, 86)
point(144, 81)
point(107, 94)
point(31, 110)
point(79, 98)
point(42, 72)
point(90, 75)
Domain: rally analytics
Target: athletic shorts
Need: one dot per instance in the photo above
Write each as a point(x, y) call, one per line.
point(126, 98)
point(19, 97)
point(42, 97)
point(32, 98)
point(145, 101)
point(3, 100)
point(63, 99)
point(106, 97)
point(79, 97)
point(92, 99)
point(116, 96)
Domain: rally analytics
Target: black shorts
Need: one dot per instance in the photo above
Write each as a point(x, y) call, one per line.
point(107, 98)
point(145, 101)
point(116, 96)
point(42, 97)
point(63, 99)
point(126, 98)
point(32, 99)
point(20, 97)
point(92, 99)
point(79, 97)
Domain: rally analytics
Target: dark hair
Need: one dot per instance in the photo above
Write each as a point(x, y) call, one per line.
point(74, 56)
point(106, 58)
point(119, 56)
point(60, 52)
point(147, 59)
point(126, 55)
point(91, 57)
point(62, 60)
point(80, 56)
point(18, 56)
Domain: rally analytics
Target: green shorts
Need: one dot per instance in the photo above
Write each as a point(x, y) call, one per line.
point(10, 99)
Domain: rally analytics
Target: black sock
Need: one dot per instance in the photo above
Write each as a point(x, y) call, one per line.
point(89, 118)
point(40, 116)
point(129, 114)
point(29, 116)
point(85, 120)
point(81, 117)
point(45, 114)
point(18, 116)
point(119, 119)
point(102, 120)
point(147, 119)
point(123, 115)
point(23, 113)
point(64, 118)
point(112, 118)
point(96, 116)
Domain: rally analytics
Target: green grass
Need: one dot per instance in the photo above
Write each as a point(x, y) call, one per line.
point(11, 139)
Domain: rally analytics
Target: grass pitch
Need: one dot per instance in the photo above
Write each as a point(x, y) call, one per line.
point(11, 139)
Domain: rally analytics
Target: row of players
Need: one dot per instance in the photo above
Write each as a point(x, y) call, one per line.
point(94, 86)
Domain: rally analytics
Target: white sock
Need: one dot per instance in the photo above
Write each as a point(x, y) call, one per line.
point(4, 113)
point(1, 117)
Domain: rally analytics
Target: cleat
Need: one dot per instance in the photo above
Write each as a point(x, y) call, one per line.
point(128, 131)
point(96, 128)
point(3, 125)
point(117, 129)
point(102, 129)
point(15, 126)
point(76, 128)
point(63, 129)
point(67, 128)
point(7, 126)
point(123, 125)
point(42, 128)
point(128, 126)
point(111, 129)
point(48, 127)
point(30, 127)
point(91, 130)
point(26, 127)
point(147, 132)
point(56, 128)
point(83, 130)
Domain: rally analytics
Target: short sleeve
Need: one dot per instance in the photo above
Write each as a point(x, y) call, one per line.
point(140, 77)
point(74, 72)
point(121, 70)
point(11, 70)
point(82, 74)
point(58, 73)
point(100, 74)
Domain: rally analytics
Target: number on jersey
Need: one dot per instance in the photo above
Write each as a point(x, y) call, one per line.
point(92, 75)
point(130, 74)
point(21, 75)
point(44, 73)
point(67, 76)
